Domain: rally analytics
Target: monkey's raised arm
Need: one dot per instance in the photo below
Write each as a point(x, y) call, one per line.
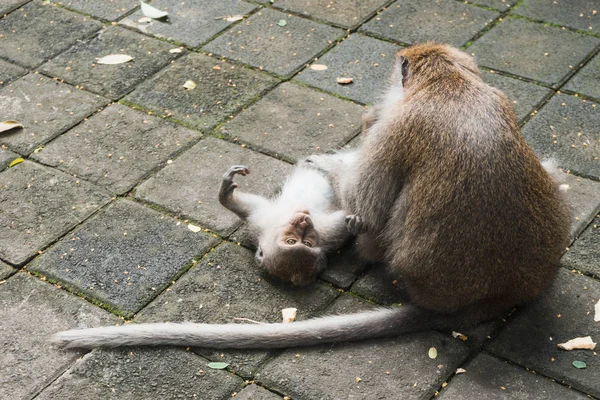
point(242, 204)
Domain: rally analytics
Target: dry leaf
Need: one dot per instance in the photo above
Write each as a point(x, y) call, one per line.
point(189, 85)
point(234, 18)
point(460, 371)
point(194, 228)
point(144, 20)
point(152, 12)
point(176, 50)
point(282, 22)
point(597, 312)
point(578, 343)
point(318, 67)
point(115, 59)
point(460, 336)
point(10, 124)
point(432, 353)
point(289, 314)
point(344, 81)
point(564, 187)
point(15, 162)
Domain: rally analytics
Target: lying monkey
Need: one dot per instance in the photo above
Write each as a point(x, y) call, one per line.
point(295, 229)
point(446, 191)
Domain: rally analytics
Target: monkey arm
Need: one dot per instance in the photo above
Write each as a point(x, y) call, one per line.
point(242, 204)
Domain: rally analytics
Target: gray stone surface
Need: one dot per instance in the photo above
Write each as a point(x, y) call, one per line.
point(445, 21)
point(221, 90)
point(206, 162)
point(501, 380)
point(564, 313)
point(581, 14)
point(566, 130)
point(541, 52)
point(117, 147)
point(9, 72)
point(6, 157)
point(366, 60)
point(124, 256)
point(584, 254)
point(38, 205)
point(139, 373)
point(228, 285)
point(587, 80)
point(501, 5)
point(78, 65)
point(344, 13)
point(45, 107)
point(109, 10)
point(7, 6)
point(292, 122)
point(37, 32)
point(31, 311)
point(378, 285)
point(5, 270)
point(343, 267)
point(524, 96)
point(190, 23)
point(583, 196)
point(388, 368)
point(290, 46)
point(255, 392)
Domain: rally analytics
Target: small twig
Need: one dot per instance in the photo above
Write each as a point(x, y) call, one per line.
point(248, 320)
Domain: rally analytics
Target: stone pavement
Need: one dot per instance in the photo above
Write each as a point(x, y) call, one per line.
point(120, 159)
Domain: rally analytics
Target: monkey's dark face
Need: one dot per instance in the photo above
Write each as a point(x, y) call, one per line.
point(300, 231)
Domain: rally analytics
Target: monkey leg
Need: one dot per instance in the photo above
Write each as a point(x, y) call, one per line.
point(369, 248)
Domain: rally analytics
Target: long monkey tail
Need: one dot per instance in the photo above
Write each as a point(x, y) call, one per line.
point(340, 328)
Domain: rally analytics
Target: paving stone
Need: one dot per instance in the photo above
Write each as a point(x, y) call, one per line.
point(117, 147)
point(7, 6)
point(587, 80)
point(124, 256)
point(38, 205)
point(109, 10)
point(366, 60)
point(255, 392)
point(227, 285)
point(445, 21)
point(344, 13)
point(206, 162)
point(501, 5)
point(31, 311)
point(378, 285)
point(290, 47)
point(221, 90)
point(78, 65)
point(372, 369)
point(583, 197)
point(584, 254)
point(540, 52)
point(566, 130)
point(343, 267)
point(9, 72)
point(6, 270)
point(193, 23)
point(6, 157)
point(525, 96)
point(37, 32)
point(45, 107)
point(292, 122)
point(582, 14)
point(143, 373)
point(496, 379)
point(565, 312)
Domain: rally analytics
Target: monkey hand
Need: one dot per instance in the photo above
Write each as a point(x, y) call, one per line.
point(228, 185)
point(355, 224)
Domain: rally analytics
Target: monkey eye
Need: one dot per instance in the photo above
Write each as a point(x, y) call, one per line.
point(307, 243)
point(291, 241)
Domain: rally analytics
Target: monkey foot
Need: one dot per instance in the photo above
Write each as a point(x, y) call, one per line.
point(355, 224)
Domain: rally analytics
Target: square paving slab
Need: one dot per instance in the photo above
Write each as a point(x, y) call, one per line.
point(344, 13)
point(255, 392)
point(117, 147)
point(583, 196)
point(501, 5)
point(221, 90)
point(124, 256)
point(292, 122)
point(32, 311)
point(7, 6)
point(9, 72)
point(6, 270)
point(78, 65)
point(38, 205)
point(580, 14)
point(109, 10)
point(291, 41)
point(190, 185)
point(37, 32)
point(445, 21)
point(143, 373)
point(366, 60)
point(587, 80)
point(497, 380)
point(540, 52)
point(564, 313)
point(6, 157)
point(524, 96)
point(45, 107)
point(566, 130)
point(190, 23)
point(584, 254)
point(228, 285)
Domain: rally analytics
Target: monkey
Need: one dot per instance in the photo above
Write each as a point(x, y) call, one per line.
point(445, 191)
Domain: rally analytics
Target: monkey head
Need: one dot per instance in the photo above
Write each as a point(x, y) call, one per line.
point(294, 254)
